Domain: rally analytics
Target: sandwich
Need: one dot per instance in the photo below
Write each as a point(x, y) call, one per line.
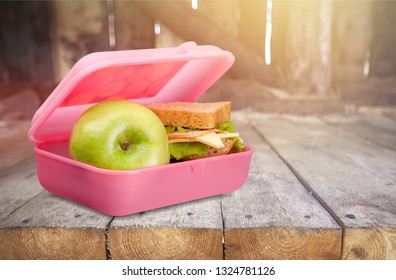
point(198, 130)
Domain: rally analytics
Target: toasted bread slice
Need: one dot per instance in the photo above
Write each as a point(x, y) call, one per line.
point(195, 115)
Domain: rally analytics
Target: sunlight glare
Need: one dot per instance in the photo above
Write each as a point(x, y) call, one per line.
point(268, 33)
point(157, 28)
point(194, 4)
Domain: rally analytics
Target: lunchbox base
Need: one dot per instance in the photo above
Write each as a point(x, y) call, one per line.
point(121, 193)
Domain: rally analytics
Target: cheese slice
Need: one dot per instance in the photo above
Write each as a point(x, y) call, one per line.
point(189, 134)
point(227, 135)
point(211, 139)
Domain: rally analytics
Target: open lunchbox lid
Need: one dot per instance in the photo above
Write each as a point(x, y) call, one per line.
point(144, 76)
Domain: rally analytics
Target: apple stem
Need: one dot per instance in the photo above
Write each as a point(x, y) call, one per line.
point(124, 144)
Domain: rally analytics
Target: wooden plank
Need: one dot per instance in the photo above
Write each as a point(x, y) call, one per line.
point(355, 179)
point(381, 117)
point(306, 48)
point(14, 145)
point(17, 186)
point(79, 28)
point(352, 39)
point(191, 230)
point(392, 117)
point(50, 227)
point(199, 27)
point(133, 30)
point(359, 125)
point(361, 241)
point(251, 24)
point(25, 42)
point(383, 53)
point(273, 216)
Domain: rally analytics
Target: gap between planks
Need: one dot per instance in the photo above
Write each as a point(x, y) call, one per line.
point(368, 224)
point(301, 180)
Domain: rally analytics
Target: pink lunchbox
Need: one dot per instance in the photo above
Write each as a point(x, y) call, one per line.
point(145, 76)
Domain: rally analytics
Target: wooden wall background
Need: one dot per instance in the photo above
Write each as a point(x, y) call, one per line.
point(316, 45)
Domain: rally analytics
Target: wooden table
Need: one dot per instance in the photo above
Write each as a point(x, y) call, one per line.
point(319, 187)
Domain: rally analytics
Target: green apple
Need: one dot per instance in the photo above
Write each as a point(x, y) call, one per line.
point(119, 135)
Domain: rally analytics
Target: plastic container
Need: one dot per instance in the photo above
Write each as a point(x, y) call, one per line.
point(144, 76)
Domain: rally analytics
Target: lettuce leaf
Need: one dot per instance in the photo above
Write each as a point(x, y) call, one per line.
point(238, 146)
point(229, 127)
point(169, 129)
point(172, 128)
point(187, 149)
point(226, 126)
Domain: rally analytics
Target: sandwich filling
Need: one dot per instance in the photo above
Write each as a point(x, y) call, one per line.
point(189, 143)
point(198, 130)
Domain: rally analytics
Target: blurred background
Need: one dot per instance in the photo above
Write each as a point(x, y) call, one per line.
point(298, 56)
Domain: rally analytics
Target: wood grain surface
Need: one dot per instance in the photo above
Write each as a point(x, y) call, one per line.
point(376, 243)
point(50, 227)
point(17, 186)
point(354, 178)
point(319, 187)
point(283, 243)
point(192, 230)
point(274, 216)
